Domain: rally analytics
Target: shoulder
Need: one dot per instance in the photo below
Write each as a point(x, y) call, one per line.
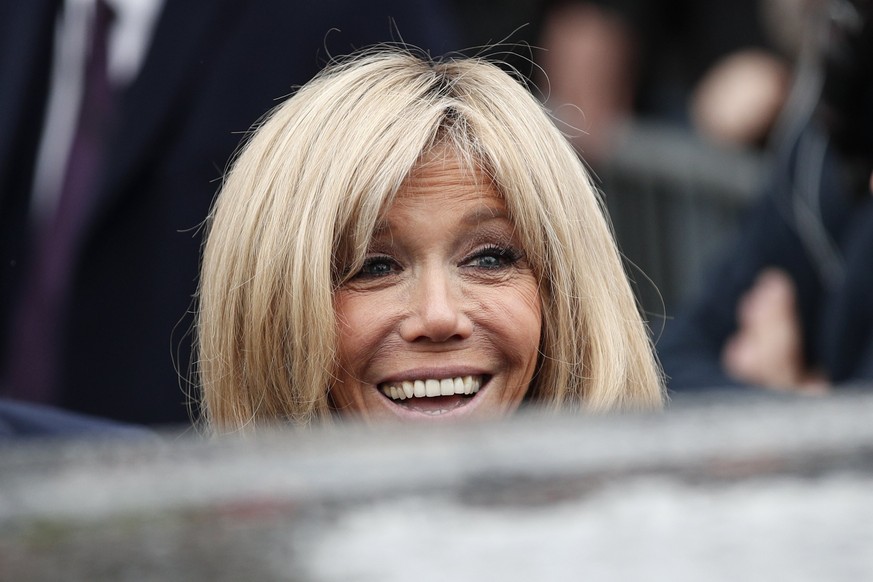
point(21, 419)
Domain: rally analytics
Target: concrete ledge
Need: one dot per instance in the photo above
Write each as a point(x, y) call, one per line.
point(724, 487)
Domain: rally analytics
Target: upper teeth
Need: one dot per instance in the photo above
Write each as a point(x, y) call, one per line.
point(431, 387)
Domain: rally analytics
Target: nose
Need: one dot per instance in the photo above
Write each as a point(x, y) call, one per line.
point(436, 310)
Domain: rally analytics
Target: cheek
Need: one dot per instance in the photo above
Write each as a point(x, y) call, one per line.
point(363, 321)
point(352, 325)
point(530, 327)
point(514, 315)
point(356, 316)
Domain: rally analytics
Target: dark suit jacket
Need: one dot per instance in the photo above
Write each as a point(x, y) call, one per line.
point(214, 67)
point(837, 319)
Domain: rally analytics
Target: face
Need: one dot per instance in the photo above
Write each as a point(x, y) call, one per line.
point(443, 321)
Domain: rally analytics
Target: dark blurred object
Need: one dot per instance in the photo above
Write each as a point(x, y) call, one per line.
point(22, 420)
point(846, 105)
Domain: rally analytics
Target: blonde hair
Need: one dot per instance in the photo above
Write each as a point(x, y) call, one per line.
point(302, 199)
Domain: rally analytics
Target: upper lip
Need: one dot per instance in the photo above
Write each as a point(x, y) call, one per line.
point(436, 372)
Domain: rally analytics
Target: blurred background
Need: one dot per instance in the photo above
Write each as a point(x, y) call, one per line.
point(671, 103)
point(675, 106)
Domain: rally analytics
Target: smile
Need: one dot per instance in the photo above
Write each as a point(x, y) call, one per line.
point(417, 392)
point(430, 387)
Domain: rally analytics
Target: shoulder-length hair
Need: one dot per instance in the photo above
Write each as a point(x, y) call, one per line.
point(300, 203)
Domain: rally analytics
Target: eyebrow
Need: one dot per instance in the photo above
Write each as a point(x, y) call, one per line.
point(484, 214)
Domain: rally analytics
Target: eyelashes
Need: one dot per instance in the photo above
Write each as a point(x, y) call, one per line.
point(494, 257)
point(377, 266)
point(488, 259)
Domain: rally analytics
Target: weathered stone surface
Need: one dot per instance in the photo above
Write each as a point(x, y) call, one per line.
point(727, 488)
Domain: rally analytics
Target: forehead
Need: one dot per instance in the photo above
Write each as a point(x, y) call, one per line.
point(442, 177)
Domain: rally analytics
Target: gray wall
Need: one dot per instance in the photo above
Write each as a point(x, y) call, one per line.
point(733, 487)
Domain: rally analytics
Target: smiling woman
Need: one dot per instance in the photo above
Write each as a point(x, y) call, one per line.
point(444, 317)
point(413, 240)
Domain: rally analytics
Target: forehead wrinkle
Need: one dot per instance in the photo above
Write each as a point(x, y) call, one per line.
point(443, 165)
point(490, 212)
point(441, 174)
point(451, 177)
point(455, 188)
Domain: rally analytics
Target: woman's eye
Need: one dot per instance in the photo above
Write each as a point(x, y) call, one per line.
point(377, 267)
point(494, 257)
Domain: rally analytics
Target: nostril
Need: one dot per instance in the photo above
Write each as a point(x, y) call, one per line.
point(435, 312)
point(420, 331)
point(436, 327)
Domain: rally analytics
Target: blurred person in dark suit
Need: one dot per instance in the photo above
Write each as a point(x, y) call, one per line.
point(94, 287)
point(789, 308)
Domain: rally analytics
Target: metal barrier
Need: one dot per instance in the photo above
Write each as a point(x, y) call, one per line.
point(675, 201)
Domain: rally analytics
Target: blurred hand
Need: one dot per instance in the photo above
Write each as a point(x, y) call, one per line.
point(767, 349)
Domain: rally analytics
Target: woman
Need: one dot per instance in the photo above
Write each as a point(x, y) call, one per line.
point(413, 240)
